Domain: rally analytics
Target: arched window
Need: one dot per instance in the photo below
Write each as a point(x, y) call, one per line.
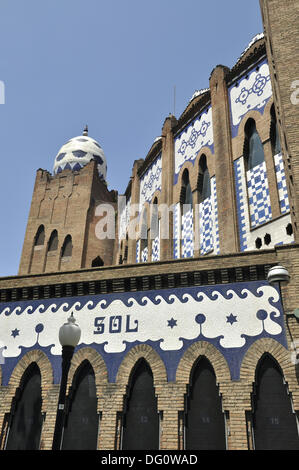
point(155, 231)
point(274, 422)
point(274, 134)
point(39, 238)
point(82, 419)
point(253, 147)
point(186, 201)
point(67, 247)
point(205, 427)
point(203, 180)
point(141, 419)
point(97, 262)
point(53, 242)
point(186, 192)
point(25, 417)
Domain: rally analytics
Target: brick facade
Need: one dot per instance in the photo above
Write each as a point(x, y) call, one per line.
point(68, 203)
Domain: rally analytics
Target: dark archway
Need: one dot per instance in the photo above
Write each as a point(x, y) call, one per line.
point(253, 147)
point(82, 419)
point(25, 421)
point(141, 419)
point(97, 262)
point(274, 422)
point(204, 421)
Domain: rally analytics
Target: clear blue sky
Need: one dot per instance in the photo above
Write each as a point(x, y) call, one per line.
point(112, 64)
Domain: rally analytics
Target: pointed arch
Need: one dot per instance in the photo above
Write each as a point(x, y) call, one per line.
point(25, 420)
point(140, 418)
point(39, 238)
point(203, 179)
point(275, 424)
point(97, 262)
point(253, 147)
point(192, 355)
point(46, 370)
point(274, 132)
point(204, 417)
point(97, 363)
point(81, 418)
point(67, 247)
point(53, 241)
point(151, 356)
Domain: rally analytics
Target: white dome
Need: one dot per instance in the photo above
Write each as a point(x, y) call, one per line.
point(79, 151)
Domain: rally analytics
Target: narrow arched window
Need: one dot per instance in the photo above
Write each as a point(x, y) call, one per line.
point(274, 422)
point(253, 147)
point(67, 247)
point(204, 423)
point(203, 180)
point(53, 242)
point(141, 419)
point(186, 191)
point(274, 133)
point(97, 262)
point(125, 259)
point(39, 238)
point(25, 417)
point(186, 200)
point(82, 419)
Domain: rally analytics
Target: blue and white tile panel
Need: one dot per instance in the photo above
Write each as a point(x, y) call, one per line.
point(276, 228)
point(206, 226)
point(187, 234)
point(258, 195)
point(215, 215)
point(208, 222)
point(231, 317)
point(195, 136)
point(151, 182)
point(124, 218)
point(144, 255)
point(138, 251)
point(177, 231)
point(281, 184)
point(156, 245)
point(252, 92)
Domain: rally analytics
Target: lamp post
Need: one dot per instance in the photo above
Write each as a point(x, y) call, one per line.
point(69, 336)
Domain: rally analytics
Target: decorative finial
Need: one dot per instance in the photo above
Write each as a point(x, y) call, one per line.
point(85, 132)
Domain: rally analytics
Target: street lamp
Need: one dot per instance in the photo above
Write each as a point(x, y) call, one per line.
point(69, 336)
point(278, 274)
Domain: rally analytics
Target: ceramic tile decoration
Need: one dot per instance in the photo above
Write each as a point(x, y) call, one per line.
point(281, 184)
point(257, 210)
point(79, 151)
point(230, 316)
point(151, 181)
point(252, 91)
point(198, 134)
point(258, 195)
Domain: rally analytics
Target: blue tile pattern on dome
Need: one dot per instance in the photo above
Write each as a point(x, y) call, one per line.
point(79, 151)
point(251, 92)
point(281, 184)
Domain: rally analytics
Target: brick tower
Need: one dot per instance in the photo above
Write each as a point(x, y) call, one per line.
point(61, 228)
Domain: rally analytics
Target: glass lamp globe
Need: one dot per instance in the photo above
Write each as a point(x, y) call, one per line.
point(69, 333)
